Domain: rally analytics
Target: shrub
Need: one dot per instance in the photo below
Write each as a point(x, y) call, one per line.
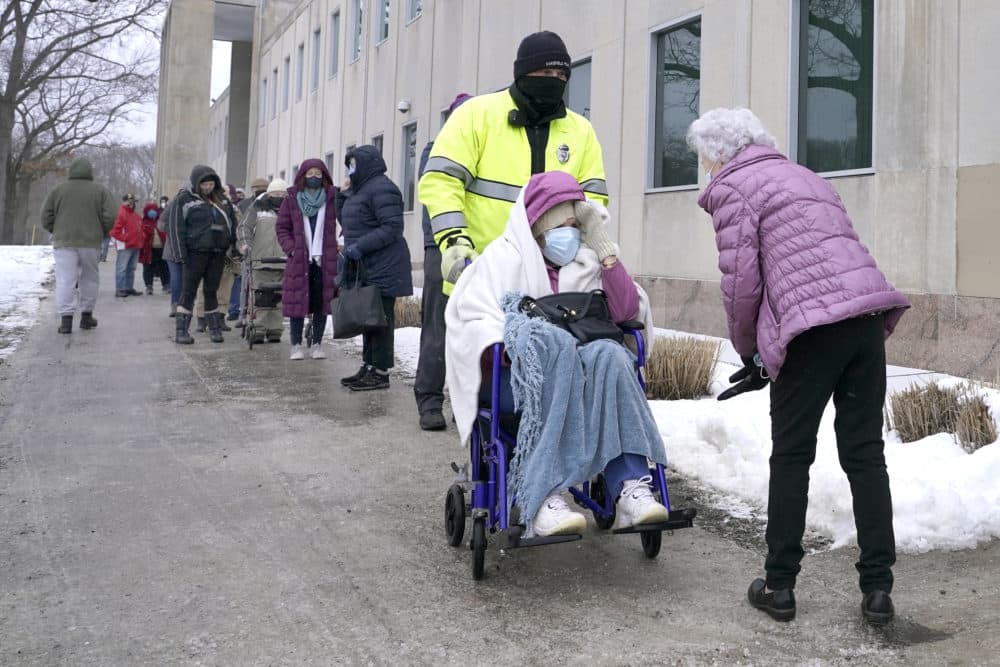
point(680, 368)
point(407, 312)
point(920, 411)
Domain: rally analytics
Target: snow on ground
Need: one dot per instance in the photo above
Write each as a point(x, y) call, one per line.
point(24, 272)
point(943, 498)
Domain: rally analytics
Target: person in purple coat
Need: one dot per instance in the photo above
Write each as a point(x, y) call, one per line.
point(307, 232)
point(808, 311)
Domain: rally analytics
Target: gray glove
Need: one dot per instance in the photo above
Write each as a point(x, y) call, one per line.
point(591, 218)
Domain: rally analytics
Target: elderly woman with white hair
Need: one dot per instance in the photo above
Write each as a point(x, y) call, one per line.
point(808, 312)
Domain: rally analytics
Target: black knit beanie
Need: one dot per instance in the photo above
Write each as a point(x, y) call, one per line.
point(541, 50)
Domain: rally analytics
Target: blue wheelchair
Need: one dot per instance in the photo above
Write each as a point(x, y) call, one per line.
point(492, 443)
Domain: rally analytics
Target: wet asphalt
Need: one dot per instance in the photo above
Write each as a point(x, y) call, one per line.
point(214, 505)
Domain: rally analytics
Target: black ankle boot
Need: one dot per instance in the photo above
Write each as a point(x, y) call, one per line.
point(66, 324)
point(779, 604)
point(877, 607)
point(215, 327)
point(200, 325)
point(183, 321)
point(87, 321)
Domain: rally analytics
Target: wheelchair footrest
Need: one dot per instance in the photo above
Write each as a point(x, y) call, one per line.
point(676, 519)
point(512, 539)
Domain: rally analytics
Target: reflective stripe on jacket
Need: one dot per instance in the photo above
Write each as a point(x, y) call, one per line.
point(480, 162)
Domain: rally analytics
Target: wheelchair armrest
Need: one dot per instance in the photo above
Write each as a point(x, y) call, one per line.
point(632, 324)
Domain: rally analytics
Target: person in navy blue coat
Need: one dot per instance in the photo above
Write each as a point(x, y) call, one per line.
point(370, 208)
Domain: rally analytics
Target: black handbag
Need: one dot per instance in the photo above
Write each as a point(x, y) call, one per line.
point(586, 315)
point(358, 307)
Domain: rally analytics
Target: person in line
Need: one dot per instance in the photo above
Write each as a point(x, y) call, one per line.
point(151, 254)
point(257, 187)
point(809, 312)
point(231, 271)
point(597, 416)
point(428, 387)
point(257, 239)
point(307, 232)
point(128, 235)
point(371, 217)
point(203, 229)
point(169, 256)
point(491, 146)
point(78, 213)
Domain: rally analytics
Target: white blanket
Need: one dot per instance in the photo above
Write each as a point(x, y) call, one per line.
point(474, 318)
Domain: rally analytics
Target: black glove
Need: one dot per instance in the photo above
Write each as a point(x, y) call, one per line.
point(749, 378)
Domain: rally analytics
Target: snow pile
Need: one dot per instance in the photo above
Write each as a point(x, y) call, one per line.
point(24, 270)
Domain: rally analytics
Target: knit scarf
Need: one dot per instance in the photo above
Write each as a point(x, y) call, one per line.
point(310, 201)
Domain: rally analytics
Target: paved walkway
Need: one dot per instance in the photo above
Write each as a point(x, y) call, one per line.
point(207, 504)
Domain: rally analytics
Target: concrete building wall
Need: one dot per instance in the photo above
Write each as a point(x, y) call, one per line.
point(923, 209)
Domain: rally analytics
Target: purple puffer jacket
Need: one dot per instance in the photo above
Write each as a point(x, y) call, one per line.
point(789, 256)
point(290, 229)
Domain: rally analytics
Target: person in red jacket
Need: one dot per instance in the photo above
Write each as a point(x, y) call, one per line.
point(151, 255)
point(128, 236)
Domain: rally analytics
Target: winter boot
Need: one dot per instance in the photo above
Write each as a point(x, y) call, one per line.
point(223, 325)
point(149, 289)
point(183, 321)
point(87, 321)
point(173, 310)
point(200, 327)
point(66, 324)
point(215, 326)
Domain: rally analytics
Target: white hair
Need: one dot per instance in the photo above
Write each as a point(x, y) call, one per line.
point(722, 133)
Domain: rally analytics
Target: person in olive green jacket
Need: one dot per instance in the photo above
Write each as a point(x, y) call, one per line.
point(79, 214)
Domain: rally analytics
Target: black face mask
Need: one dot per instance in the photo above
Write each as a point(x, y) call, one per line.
point(544, 92)
point(275, 202)
point(314, 182)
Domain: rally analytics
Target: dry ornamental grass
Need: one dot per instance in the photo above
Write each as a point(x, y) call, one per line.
point(407, 312)
point(920, 411)
point(680, 368)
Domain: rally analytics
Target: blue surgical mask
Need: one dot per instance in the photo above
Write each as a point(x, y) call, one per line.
point(350, 170)
point(561, 245)
point(151, 214)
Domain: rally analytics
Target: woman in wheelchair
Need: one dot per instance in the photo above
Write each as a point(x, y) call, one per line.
point(582, 409)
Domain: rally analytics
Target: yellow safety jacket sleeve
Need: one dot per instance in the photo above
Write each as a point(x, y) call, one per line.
point(480, 162)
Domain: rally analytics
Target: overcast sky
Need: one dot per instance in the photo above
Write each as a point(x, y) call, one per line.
point(142, 129)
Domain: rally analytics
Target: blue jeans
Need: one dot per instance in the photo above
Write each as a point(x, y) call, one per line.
point(125, 261)
point(619, 469)
point(176, 281)
point(234, 296)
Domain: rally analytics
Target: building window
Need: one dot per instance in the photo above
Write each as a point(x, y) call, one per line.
point(414, 8)
point(383, 21)
point(317, 41)
point(286, 72)
point(295, 171)
point(274, 93)
point(377, 143)
point(836, 84)
point(358, 28)
point(334, 42)
point(300, 65)
point(262, 103)
point(328, 161)
point(677, 92)
point(577, 96)
point(409, 164)
point(281, 174)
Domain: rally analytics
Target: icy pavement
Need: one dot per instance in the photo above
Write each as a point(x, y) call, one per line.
point(26, 273)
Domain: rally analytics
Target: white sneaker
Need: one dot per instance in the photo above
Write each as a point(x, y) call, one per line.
point(556, 518)
point(296, 353)
point(318, 353)
point(636, 505)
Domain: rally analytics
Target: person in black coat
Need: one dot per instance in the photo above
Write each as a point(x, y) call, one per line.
point(370, 209)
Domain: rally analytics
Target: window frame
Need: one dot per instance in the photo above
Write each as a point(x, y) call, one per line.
point(334, 54)
point(328, 160)
point(654, 32)
point(262, 105)
point(384, 19)
point(357, 30)
point(300, 75)
point(274, 94)
point(286, 92)
point(317, 44)
point(412, 16)
point(381, 142)
point(584, 60)
point(794, 88)
point(416, 163)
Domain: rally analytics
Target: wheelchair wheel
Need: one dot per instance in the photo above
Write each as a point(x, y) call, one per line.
point(454, 515)
point(478, 546)
point(598, 493)
point(651, 543)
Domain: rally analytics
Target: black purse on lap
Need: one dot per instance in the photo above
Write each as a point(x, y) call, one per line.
point(586, 315)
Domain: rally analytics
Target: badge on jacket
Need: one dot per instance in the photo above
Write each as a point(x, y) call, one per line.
point(562, 154)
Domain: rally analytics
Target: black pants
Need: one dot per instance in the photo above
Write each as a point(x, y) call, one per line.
point(429, 385)
point(378, 345)
point(845, 360)
point(200, 266)
point(157, 267)
point(315, 300)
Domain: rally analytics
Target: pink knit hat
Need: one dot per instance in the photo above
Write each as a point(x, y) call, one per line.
point(547, 189)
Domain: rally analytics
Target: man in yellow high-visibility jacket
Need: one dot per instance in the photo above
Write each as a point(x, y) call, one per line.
point(491, 145)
